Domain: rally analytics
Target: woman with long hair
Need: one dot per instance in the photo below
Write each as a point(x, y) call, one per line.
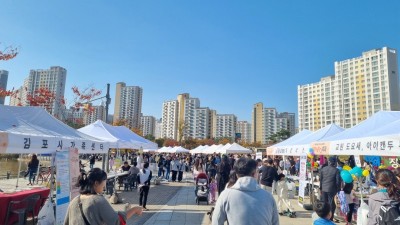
point(33, 166)
point(90, 207)
point(350, 197)
point(144, 178)
point(197, 167)
point(223, 171)
point(388, 194)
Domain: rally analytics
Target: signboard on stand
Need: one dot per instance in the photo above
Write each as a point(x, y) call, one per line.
point(302, 178)
point(74, 172)
point(62, 185)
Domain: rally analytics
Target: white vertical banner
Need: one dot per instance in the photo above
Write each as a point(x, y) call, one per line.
point(62, 185)
point(302, 178)
point(74, 172)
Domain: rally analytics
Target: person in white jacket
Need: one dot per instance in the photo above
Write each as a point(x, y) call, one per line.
point(282, 193)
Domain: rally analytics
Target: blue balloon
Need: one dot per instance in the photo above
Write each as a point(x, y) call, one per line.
point(346, 176)
point(356, 171)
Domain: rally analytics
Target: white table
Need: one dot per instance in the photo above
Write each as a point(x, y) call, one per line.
point(112, 175)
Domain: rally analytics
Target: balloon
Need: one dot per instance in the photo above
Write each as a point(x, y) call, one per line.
point(365, 173)
point(308, 164)
point(354, 177)
point(309, 155)
point(382, 167)
point(346, 176)
point(311, 151)
point(390, 168)
point(347, 168)
point(357, 171)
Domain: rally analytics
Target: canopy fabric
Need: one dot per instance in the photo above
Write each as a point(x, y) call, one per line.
point(118, 136)
point(302, 134)
point(302, 145)
point(235, 149)
point(164, 149)
point(212, 149)
point(178, 149)
point(378, 135)
point(223, 148)
point(27, 129)
point(199, 149)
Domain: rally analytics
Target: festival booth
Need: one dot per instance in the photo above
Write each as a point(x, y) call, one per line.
point(212, 149)
point(176, 149)
point(234, 149)
point(375, 136)
point(28, 130)
point(199, 149)
point(281, 145)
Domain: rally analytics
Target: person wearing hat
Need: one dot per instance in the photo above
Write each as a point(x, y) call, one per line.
point(330, 183)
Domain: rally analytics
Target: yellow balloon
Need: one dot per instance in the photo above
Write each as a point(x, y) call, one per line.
point(382, 167)
point(346, 167)
point(365, 173)
point(310, 156)
point(354, 177)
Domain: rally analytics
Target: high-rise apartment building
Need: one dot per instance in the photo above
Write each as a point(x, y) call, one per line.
point(97, 113)
point(291, 122)
point(244, 128)
point(360, 87)
point(225, 126)
point(170, 119)
point(158, 129)
point(3, 83)
point(267, 121)
point(128, 104)
point(53, 80)
point(148, 125)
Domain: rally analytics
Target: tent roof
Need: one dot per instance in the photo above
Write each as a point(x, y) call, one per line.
point(118, 136)
point(27, 129)
point(325, 132)
point(236, 148)
point(199, 149)
point(362, 129)
point(302, 134)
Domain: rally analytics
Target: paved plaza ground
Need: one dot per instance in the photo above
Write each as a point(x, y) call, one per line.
point(173, 203)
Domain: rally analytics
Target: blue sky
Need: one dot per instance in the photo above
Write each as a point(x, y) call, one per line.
point(229, 54)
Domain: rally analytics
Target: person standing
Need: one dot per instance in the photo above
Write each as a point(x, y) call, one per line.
point(269, 174)
point(167, 166)
point(330, 183)
point(182, 168)
point(245, 202)
point(92, 160)
point(223, 171)
point(161, 162)
point(175, 164)
point(33, 166)
point(144, 178)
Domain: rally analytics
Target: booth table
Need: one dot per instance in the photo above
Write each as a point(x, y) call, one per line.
point(5, 199)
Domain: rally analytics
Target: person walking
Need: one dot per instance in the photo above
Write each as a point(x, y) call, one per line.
point(90, 207)
point(33, 166)
point(144, 178)
point(92, 160)
point(330, 183)
point(269, 174)
point(245, 202)
point(182, 168)
point(167, 166)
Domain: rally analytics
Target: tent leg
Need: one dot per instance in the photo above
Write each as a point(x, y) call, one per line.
point(107, 161)
point(19, 171)
point(104, 162)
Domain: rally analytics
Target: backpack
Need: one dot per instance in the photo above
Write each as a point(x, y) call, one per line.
point(389, 215)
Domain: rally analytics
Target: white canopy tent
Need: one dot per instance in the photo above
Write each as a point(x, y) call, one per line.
point(164, 149)
point(378, 135)
point(212, 149)
point(27, 129)
point(178, 149)
point(302, 134)
point(118, 136)
point(235, 149)
point(199, 149)
point(301, 146)
point(223, 148)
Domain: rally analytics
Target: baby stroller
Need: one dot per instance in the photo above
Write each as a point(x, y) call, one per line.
point(202, 190)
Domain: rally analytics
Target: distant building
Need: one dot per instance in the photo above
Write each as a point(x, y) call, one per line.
point(53, 80)
point(158, 129)
point(3, 83)
point(360, 87)
point(291, 122)
point(244, 128)
point(128, 104)
point(170, 120)
point(225, 126)
point(98, 113)
point(267, 122)
point(148, 125)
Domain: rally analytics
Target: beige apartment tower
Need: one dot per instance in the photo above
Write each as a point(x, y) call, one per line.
point(128, 104)
point(258, 123)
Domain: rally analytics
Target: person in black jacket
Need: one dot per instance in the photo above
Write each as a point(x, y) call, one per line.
point(330, 183)
point(269, 174)
point(33, 166)
point(223, 171)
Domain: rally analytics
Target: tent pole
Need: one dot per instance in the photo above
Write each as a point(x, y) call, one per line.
point(19, 171)
point(108, 101)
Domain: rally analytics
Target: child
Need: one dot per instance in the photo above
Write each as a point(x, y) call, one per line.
point(282, 192)
point(349, 193)
point(213, 189)
point(323, 210)
point(111, 163)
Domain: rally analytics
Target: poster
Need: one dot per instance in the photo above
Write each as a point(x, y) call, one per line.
point(62, 185)
point(74, 172)
point(302, 178)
